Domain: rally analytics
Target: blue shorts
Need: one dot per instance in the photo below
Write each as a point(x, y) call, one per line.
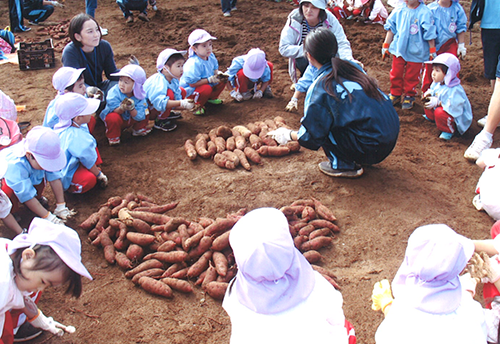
point(491, 52)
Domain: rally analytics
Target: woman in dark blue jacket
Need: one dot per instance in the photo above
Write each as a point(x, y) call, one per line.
point(345, 112)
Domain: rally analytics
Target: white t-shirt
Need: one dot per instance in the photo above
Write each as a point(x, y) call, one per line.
point(318, 319)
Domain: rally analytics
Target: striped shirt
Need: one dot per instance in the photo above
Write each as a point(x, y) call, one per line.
point(306, 28)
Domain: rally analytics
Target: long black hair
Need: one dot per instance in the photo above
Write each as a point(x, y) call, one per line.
point(322, 45)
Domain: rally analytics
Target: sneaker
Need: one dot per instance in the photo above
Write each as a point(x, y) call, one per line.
point(479, 144)
point(215, 101)
point(143, 16)
point(482, 122)
point(165, 125)
point(227, 14)
point(476, 201)
point(407, 103)
point(141, 132)
point(268, 93)
point(199, 112)
point(247, 95)
point(446, 136)
point(113, 142)
point(427, 118)
point(155, 8)
point(327, 169)
point(129, 20)
point(394, 99)
point(234, 8)
point(26, 332)
point(104, 31)
point(175, 115)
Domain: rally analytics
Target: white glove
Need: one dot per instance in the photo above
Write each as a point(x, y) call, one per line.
point(292, 104)
point(385, 52)
point(492, 266)
point(236, 95)
point(350, 8)
point(432, 103)
point(94, 92)
point(461, 51)
point(187, 104)
point(213, 79)
point(127, 104)
point(427, 94)
point(46, 323)
point(54, 219)
point(433, 56)
point(258, 94)
point(56, 4)
point(102, 180)
point(63, 212)
point(155, 8)
point(281, 135)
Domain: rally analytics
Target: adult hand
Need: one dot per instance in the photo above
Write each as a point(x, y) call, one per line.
point(63, 212)
point(432, 103)
point(54, 219)
point(292, 104)
point(381, 295)
point(102, 180)
point(187, 104)
point(213, 79)
point(46, 323)
point(461, 51)
point(127, 104)
point(236, 95)
point(258, 94)
point(281, 135)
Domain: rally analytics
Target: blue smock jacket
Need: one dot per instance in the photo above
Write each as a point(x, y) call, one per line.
point(196, 69)
point(157, 86)
point(449, 21)
point(114, 99)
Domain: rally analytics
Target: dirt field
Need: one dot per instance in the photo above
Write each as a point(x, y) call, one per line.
point(425, 180)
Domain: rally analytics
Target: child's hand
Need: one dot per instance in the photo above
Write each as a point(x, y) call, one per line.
point(381, 295)
point(461, 51)
point(46, 323)
point(236, 95)
point(63, 212)
point(258, 94)
point(385, 50)
point(213, 79)
point(127, 104)
point(187, 104)
point(102, 180)
point(292, 104)
point(432, 103)
point(94, 92)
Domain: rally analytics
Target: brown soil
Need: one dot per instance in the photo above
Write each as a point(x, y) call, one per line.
point(425, 180)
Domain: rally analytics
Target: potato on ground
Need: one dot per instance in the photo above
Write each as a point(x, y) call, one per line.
point(316, 243)
point(252, 155)
point(178, 284)
point(155, 287)
point(149, 264)
point(216, 290)
point(190, 149)
point(141, 239)
point(155, 272)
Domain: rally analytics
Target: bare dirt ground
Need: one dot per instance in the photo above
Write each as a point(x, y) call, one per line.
point(425, 180)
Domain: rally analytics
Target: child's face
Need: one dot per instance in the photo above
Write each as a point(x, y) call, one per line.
point(311, 12)
point(79, 87)
point(33, 162)
point(176, 69)
point(203, 50)
point(82, 119)
point(412, 3)
point(437, 74)
point(126, 85)
point(36, 280)
point(90, 36)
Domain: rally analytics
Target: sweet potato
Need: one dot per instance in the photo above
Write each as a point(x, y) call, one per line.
point(201, 277)
point(128, 197)
point(193, 240)
point(294, 146)
point(142, 197)
point(269, 141)
point(105, 240)
point(320, 223)
point(220, 262)
point(263, 131)
point(195, 227)
point(223, 131)
point(252, 155)
point(150, 217)
point(93, 234)
point(178, 284)
point(201, 148)
point(303, 202)
point(312, 256)
point(104, 216)
point(292, 210)
point(221, 242)
point(223, 161)
point(190, 149)
point(220, 225)
point(174, 223)
point(240, 142)
point(149, 264)
point(235, 133)
point(308, 213)
point(274, 151)
point(155, 287)
point(216, 290)
point(90, 222)
point(323, 271)
point(255, 129)
point(220, 143)
point(132, 205)
point(202, 247)
point(319, 232)
point(110, 254)
point(231, 143)
point(323, 211)
point(299, 240)
point(231, 273)
point(255, 141)
point(123, 261)
point(210, 276)
point(232, 157)
point(205, 221)
point(244, 131)
point(212, 135)
point(211, 149)
point(316, 243)
point(159, 209)
point(332, 281)
point(125, 217)
point(182, 273)
point(155, 272)
point(243, 159)
point(140, 239)
point(174, 236)
point(167, 246)
point(173, 269)
point(112, 202)
point(200, 265)
point(279, 121)
point(134, 252)
point(141, 226)
point(168, 257)
point(206, 137)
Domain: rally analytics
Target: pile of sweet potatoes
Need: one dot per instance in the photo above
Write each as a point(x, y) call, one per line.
point(240, 145)
point(162, 253)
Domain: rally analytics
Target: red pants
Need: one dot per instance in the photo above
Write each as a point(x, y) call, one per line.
point(154, 114)
point(354, 12)
point(12, 321)
point(92, 124)
point(205, 92)
point(115, 124)
point(84, 180)
point(444, 121)
point(243, 83)
point(489, 289)
point(338, 12)
point(450, 46)
point(13, 198)
point(404, 81)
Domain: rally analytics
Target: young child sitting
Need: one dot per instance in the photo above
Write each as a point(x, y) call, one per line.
point(410, 39)
point(81, 172)
point(134, 5)
point(47, 255)
point(30, 163)
point(337, 8)
point(374, 11)
point(488, 186)
point(126, 105)
point(447, 104)
point(66, 79)
point(201, 78)
point(5, 206)
point(163, 91)
point(247, 72)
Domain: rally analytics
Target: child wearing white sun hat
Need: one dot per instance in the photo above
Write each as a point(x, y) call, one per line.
point(5, 205)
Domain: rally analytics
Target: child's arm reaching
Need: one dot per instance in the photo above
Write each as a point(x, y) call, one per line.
point(389, 36)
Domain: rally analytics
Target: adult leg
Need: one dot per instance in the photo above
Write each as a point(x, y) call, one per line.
point(90, 7)
point(301, 64)
point(225, 6)
point(39, 15)
point(123, 4)
point(16, 10)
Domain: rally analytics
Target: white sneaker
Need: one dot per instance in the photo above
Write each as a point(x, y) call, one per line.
point(227, 14)
point(482, 122)
point(104, 31)
point(155, 8)
point(479, 144)
point(476, 201)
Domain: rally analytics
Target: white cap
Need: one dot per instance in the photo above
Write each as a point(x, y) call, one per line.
point(199, 36)
point(165, 55)
point(70, 105)
point(45, 146)
point(65, 76)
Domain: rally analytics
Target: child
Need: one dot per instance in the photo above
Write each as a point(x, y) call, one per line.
point(301, 86)
point(66, 79)
point(37, 11)
point(134, 5)
point(353, 8)
point(5, 206)
point(374, 11)
point(246, 72)
point(275, 286)
point(126, 105)
point(451, 23)
point(447, 104)
point(81, 172)
point(488, 186)
point(337, 8)
point(48, 255)
point(163, 91)
point(430, 304)
point(201, 72)
point(410, 39)
point(30, 163)
point(345, 113)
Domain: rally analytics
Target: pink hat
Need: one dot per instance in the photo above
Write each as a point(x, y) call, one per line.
point(63, 240)
point(255, 63)
point(198, 36)
point(64, 77)
point(451, 61)
point(45, 146)
point(7, 107)
point(165, 55)
point(273, 275)
point(136, 73)
point(70, 105)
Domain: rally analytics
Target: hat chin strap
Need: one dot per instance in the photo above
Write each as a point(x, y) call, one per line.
point(168, 71)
